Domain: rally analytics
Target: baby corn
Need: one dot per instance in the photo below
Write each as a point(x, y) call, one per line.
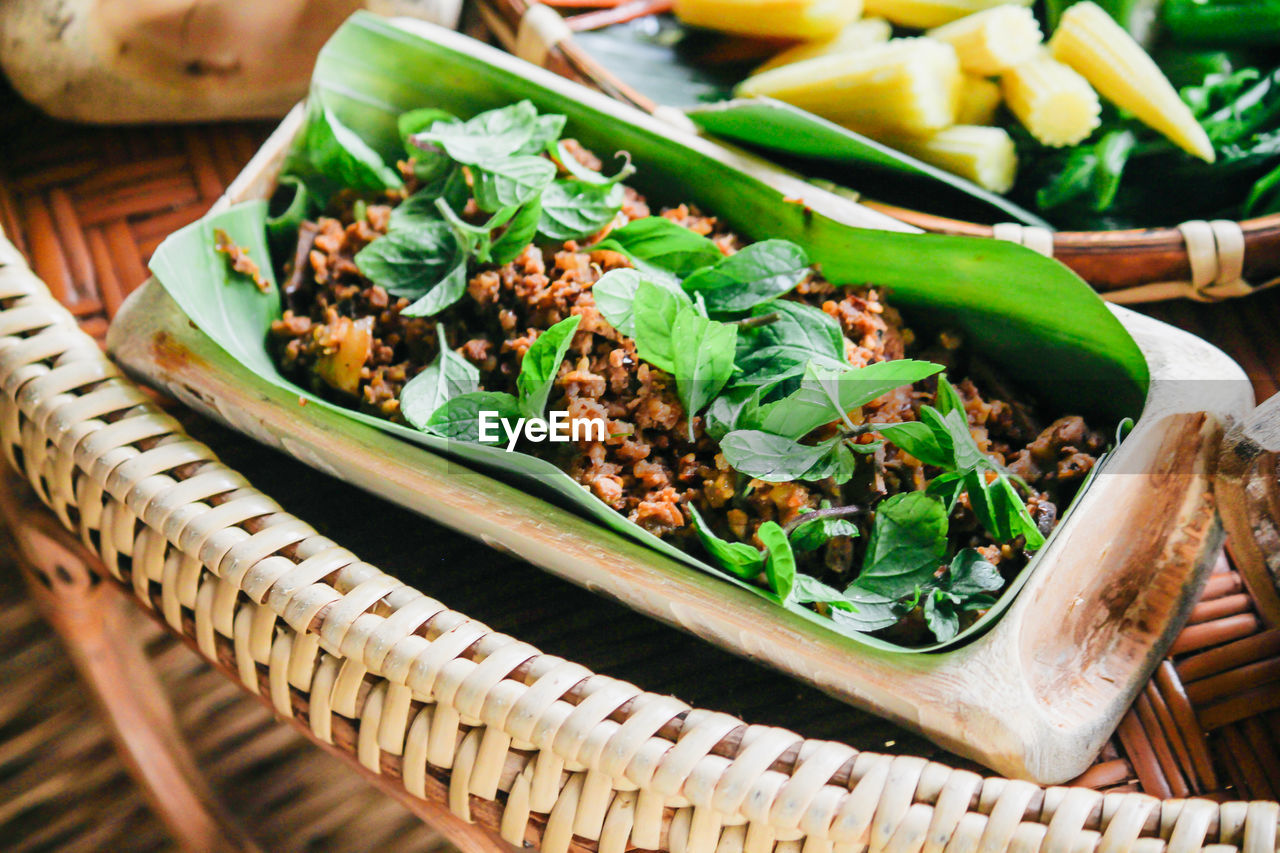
point(980, 98)
point(984, 155)
point(924, 14)
point(1093, 44)
point(857, 35)
point(793, 19)
point(1056, 104)
point(907, 86)
point(990, 42)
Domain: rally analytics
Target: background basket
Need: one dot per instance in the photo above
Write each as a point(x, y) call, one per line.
point(1201, 260)
point(88, 205)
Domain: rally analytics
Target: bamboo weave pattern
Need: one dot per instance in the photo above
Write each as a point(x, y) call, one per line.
point(531, 745)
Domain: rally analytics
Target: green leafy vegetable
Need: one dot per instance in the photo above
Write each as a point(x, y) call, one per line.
point(518, 234)
point(572, 210)
point(813, 534)
point(510, 182)
point(737, 558)
point(906, 546)
point(664, 244)
point(780, 565)
point(410, 261)
point(449, 376)
point(702, 358)
point(541, 363)
point(769, 457)
point(755, 274)
point(964, 587)
point(574, 166)
point(459, 417)
point(329, 156)
point(655, 312)
point(489, 136)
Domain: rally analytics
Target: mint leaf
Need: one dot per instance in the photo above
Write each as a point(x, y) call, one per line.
point(459, 417)
point(518, 234)
point(703, 359)
point(489, 136)
point(780, 565)
point(541, 363)
point(572, 210)
point(409, 261)
point(737, 558)
point(810, 407)
point(769, 457)
point(512, 181)
point(664, 244)
point(655, 309)
point(906, 546)
point(449, 376)
point(755, 274)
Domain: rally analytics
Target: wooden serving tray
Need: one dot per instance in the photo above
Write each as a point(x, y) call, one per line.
point(1036, 696)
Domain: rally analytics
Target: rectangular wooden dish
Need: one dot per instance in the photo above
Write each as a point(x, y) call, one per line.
point(1035, 696)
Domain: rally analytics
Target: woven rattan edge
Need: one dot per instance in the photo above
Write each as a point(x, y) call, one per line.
point(535, 747)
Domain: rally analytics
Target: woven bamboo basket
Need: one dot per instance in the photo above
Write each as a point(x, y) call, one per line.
point(444, 710)
point(1204, 261)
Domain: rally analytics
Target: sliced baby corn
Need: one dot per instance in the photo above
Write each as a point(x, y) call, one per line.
point(980, 99)
point(791, 19)
point(984, 155)
point(923, 14)
point(991, 41)
point(902, 86)
point(855, 36)
point(1093, 44)
point(1052, 101)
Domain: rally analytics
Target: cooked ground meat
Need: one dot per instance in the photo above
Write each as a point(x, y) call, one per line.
point(346, 338)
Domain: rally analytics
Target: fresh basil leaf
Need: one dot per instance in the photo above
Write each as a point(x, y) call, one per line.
point(906, 546)
point(655, 310)
point(408, 261)
point(947, 488)
point(921, 441)
point(427, 165)
point(867, 611)
point(574, 167)
point(768, 366)
point(969, 575)
point(615, 295)
point(518, 234)
point(664, 244)
point(459, 417)
point(448, 291)
point(808, 408)
point(810, 590)
point(941, 617)
point(477, 239)
point(812, 535)
point(489, 136)
point(1005, 501)
point(800, 327)
point(780, 567)
point(329, 156)
point(737, 558)
point(948, 398)
point(753, 275)
point(546, 129)
point(510, 181)
point(729, 409)
point(572, 210)
point(839, 463)
point(449, 376)
point(702, 358)
point(966, 454)
point(542, 362)
point(421, 206)
point(768, 457)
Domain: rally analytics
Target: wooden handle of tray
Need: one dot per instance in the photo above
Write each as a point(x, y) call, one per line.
point(1248, 487)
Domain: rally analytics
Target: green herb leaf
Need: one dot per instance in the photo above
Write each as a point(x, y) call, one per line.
point(574, 167)
point(866, 610)
point(421, 206)
point(729, 409)
point(737, 558)
point(664, 244)
point(655, 310)
point(409, 261)
point(427, 165)
point(489, 136)
point(800, 327)
point(769, 457)
point(329, 156)
point(448, 291)
point(512, 181)
point(541, 363)
point(809, 407)
point(459, 417)
point(969, 575)
point(449, 376)
point(780, 567)
point(755, 274)
point(812, 535)
point(703, 359)
point(906, 546)
point(615, 295)
point(546, 129)
point(518, 234)
point(920, 440)
point(572, 210)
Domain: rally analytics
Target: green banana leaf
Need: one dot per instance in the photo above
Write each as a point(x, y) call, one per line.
point(1024, 312)
point(671, 64)
point(783, 129)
